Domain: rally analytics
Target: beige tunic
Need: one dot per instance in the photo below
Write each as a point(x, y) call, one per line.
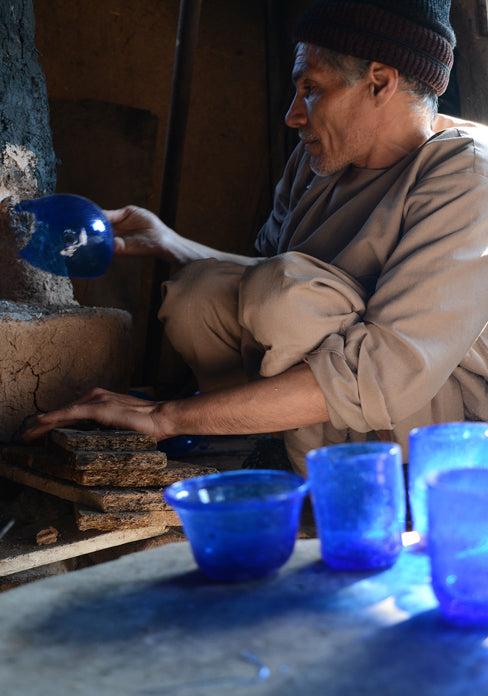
point(416, 236)
point(402, 271)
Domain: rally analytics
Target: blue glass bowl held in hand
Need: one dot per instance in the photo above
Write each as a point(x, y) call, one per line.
point(241, 525)
point(70, 236)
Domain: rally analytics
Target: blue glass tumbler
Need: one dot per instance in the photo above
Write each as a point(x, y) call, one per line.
point(359, 503)
point(241, 525)
point(70, 236)
point(439, 448)
point(458, 543)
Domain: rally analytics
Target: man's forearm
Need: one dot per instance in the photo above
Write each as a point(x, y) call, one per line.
point(290, 400)
point(184, 250)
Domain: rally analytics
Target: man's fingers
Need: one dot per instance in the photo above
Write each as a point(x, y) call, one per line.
point(105, 407)
point(119, 215)
point(119, 245)
point(61, 418)
point(40, 429)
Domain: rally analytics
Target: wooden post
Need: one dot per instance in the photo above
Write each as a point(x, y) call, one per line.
point(186, 42)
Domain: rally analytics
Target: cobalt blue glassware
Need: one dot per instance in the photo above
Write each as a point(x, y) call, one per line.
point(439, 448)
point(71, 236)
point(359, 503)
point(179, 445)
point(241, 525)
point(457, 543)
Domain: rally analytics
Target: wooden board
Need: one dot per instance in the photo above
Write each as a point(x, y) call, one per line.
point(90, 544)
point(87, 519)
point(42, 459)
point(103, 477)
point(103, 499)
point(105, 459)
point(72, 439)
point(97, 493)
point(175, 471)
point(118, 472)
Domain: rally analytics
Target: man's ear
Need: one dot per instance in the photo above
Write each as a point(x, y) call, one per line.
point(383, 82)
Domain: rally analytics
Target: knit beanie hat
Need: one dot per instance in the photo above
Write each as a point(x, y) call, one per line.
point(414, 36)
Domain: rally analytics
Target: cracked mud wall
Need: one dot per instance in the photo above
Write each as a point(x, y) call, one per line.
point(48, 359)
point(27, 158)
point(52, 350)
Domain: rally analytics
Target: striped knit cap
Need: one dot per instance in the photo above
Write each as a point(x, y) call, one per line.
point(414, 36)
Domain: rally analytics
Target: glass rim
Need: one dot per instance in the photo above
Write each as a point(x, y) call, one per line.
point(364, 450)
point(439, 430)
point(301, 488)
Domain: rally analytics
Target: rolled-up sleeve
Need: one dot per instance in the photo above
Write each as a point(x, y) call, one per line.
point(429, 306)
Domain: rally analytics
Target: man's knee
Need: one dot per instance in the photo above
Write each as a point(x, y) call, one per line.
point(266, 295)
point(294, 299)
point(198, 288)
point(201, 298)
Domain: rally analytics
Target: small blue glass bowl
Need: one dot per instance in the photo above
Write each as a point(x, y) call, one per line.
point(70, 236)
point(241, 525)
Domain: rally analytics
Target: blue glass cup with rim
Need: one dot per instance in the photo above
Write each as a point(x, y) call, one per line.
point(359, 503)
point(439, 448)
point(241, 525)
point(458, 543)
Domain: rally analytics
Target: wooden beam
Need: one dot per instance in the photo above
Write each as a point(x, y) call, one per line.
point(61, 552)
point(185, 50)
point(482, 17)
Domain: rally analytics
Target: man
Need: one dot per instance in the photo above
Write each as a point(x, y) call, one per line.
point(364, 314)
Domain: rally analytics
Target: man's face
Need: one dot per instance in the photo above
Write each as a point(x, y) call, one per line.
point(335, 122)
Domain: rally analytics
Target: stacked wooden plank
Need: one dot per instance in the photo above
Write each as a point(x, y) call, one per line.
point(114, 478)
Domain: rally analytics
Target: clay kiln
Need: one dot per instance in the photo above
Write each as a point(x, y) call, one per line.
point(51, 349)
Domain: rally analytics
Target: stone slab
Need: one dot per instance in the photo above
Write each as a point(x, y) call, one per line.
point(89, 440)
point(102, 499)
point(107, 459)
point(124, 476)
point(107, 477)
point(150, 624)
point(128, 478)
point(43, 459)
point(87, 519)
point(138, 474)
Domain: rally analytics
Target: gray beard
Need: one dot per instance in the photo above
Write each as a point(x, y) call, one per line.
point(327, 171)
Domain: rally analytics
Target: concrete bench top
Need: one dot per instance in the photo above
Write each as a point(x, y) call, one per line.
point(149, 624)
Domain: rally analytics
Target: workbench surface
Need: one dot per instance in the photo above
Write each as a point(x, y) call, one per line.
point(150, 624)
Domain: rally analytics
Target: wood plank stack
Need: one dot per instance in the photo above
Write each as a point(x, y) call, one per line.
point(114, 478)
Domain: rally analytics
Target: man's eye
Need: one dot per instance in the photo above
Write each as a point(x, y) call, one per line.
point(309, 89)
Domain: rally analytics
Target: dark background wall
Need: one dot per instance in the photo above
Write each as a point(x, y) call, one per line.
point(108, 67)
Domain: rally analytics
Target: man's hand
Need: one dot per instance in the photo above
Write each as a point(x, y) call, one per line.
point(138, 232)
point(292, 399)
point(107, 408)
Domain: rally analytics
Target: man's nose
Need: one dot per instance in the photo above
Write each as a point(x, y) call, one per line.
point(296, 116)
